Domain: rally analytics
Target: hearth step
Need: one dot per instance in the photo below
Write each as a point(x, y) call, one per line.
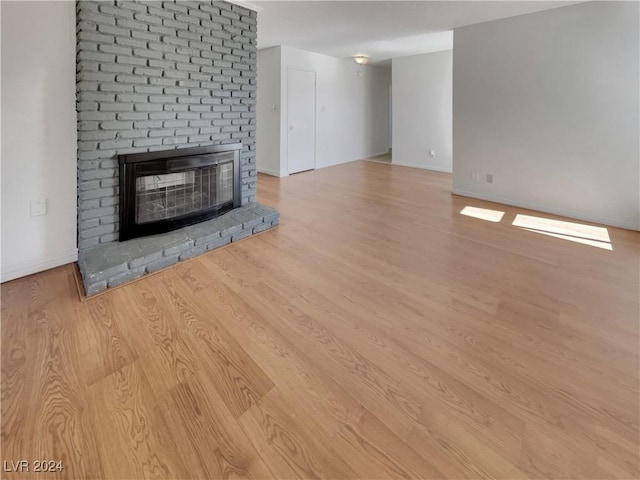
point(112, 264)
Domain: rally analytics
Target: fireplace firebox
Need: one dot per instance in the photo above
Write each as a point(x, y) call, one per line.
point(163, 191)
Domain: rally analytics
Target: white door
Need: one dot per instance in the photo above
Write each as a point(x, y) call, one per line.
point(301, 108)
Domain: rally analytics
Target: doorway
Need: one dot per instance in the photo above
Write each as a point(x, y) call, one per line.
point(301, 119)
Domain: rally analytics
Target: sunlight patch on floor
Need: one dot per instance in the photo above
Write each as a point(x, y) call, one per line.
point(482, 213)
point(574, 232)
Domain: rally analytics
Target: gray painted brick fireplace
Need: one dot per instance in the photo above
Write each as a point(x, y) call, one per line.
point(156, 76)
point(152, 76)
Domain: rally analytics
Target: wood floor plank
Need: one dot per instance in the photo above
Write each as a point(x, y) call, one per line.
point(287, 442)
point(485, 458)
point(166, 353)
point(104, 347)
point(294, 373)
point(15, 370)
point(429, 383)
point(378, 332)
point(375, 451)
point(207, 434)
point(377, 389)
point(58, 426)
point(616, 456)
point(547, 453)
point(133, 439)
point(239, 380)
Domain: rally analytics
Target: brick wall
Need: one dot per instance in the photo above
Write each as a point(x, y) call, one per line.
point(156, 76)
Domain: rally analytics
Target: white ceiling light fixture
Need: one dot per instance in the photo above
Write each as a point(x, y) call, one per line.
point(361, 59)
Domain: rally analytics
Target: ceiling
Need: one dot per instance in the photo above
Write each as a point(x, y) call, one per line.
point(380, 29)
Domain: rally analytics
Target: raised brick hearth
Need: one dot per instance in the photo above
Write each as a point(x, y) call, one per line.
point(113, 264)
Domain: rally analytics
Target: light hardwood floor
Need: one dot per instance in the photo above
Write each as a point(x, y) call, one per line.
point(376, 333)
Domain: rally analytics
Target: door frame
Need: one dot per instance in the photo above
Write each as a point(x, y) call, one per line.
point(315, 112)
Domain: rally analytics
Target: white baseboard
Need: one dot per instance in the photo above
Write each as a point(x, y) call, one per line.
point(342, 162)
point(423, 166)
point(545, 209)
point(12, 272)
point(268, 171)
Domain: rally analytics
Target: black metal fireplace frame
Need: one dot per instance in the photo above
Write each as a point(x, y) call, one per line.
point(136, 165)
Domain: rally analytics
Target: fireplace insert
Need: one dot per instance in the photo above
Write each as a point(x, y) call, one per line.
point(163, 191)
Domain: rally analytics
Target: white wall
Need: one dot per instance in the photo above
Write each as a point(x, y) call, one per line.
point(268, 111)
point(548, 103)
point(352, 117)
point(38, 135)
point(422, 109)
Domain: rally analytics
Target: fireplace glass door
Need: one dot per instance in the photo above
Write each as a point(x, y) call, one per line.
point(170, 195)
point(162, 191)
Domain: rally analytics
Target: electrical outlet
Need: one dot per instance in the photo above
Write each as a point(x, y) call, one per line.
point(38, 207)
point(489, 177)
point(475, 176)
